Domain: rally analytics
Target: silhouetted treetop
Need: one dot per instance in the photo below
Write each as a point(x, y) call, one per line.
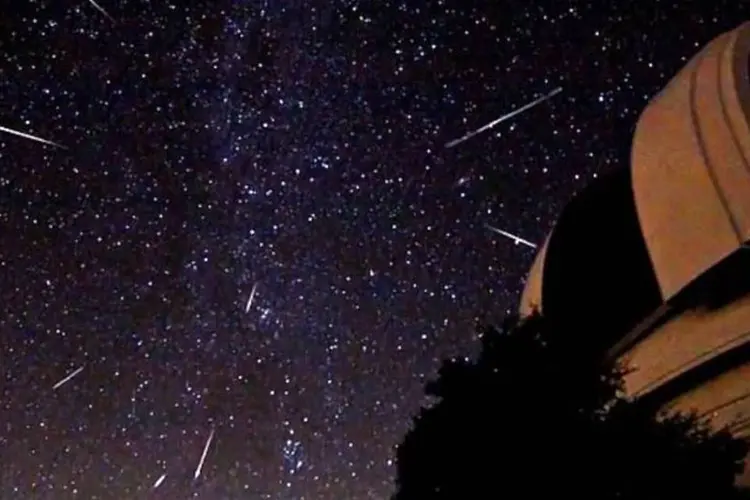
point(535, 414)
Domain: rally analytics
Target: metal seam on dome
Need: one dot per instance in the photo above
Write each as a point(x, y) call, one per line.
point(702, 146)
point(723, 406)
point(739, 426)
point(728, 52)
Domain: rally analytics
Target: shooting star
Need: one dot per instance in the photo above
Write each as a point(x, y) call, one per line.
point(159, 481)
point(101, 9)
point(507, 116)
point(32, 137)
point(250, 299)
point(513, 237)
point(66, 379)
point(203, 457)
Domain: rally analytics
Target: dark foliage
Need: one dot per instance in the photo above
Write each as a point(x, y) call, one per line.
point(538, 417)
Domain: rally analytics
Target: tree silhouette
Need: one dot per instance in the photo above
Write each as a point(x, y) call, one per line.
point(540, 414)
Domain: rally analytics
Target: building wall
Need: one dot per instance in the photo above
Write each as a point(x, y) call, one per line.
point(686, 341)
point(723, 402)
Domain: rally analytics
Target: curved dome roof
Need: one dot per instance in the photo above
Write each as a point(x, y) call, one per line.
point(691, 164)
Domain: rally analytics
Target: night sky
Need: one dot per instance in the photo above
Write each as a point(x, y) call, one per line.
point(296, 149)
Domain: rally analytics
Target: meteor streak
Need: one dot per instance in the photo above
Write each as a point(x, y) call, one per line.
point(513, 237)
point(203, 457)
point(101, 9)
point(250, 299)
point(66, 379)
point(29, 136)
point(160, 480)
point(508, 116)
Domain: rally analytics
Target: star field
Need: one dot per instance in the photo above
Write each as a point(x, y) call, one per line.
point(295, 149)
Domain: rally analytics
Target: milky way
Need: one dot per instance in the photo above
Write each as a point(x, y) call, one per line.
point(292, 151)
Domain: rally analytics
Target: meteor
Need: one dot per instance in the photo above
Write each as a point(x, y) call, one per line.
point(101, 9)
point(250, 299)
point(29, 136)
point(508, 116)
point(160, 480)
point(66, 379)
point(513, 237)
point(203, 457)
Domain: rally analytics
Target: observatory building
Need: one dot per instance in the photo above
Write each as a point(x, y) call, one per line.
point(659, 253)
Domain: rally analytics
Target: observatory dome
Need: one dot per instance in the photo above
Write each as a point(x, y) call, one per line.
point(651, 263)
